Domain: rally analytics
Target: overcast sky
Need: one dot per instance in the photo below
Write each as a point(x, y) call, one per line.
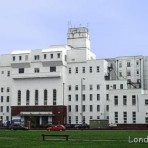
point(117, 27)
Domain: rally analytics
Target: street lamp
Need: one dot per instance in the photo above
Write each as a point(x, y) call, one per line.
point(82, 99)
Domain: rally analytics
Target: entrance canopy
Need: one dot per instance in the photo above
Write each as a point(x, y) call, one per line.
point(36, 114)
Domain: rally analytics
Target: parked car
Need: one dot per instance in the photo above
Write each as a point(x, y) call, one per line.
point(82, 126)
point(56, 128)
point(18, 127)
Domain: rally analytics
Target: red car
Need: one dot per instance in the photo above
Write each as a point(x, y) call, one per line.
point(56, 128)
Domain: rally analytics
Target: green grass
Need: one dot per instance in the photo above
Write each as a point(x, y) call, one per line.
point(77, 139)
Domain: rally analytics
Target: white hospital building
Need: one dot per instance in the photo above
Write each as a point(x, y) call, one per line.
point(67, 84)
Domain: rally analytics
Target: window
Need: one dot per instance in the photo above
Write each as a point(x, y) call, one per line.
point(27, 97)
point(69, 87)
point(19, 97)
point(8, 99)
point(77, 120)
point(107, 87)
point(83, 120)
point(83, 69)
point(76, 69)
point(69, 97)
point(90, 117)
point(137, 72)
point(36, 97)
point(98, 117)
point(36, 70)
point(83, 97)
point(98, 87)
point(45, 96)
point(146, 102)
point(115, 100)
point(83, 108)
point(69, 108)
point(2, 72)
point(125, 117)
point(69, 119)
point(76, 96)
point(134, 117)
point(8, 89)
point(107, 108)
point(121, 86)
point(76, 108)
point(128, 73)
point(21, 70)
point(53, 69)
point(98, 108)
point(45, 56)
point(128, 64)
point(137, 63)
point(90, 69)
point(51, 56)
point(54, 97)
point(8, 73)
point(90, 87)
point(13, 58)
point(69, 70)
point(7, 109)
point(120, 65)
point(107, 97)
point(90, 97)
point(36, 57)
point(1, 109)
point(146, 120)
point(133, 100)
point(114, 86)
point(124, 100)
point(98, 97)
point(116, 117)
point(76, 87)
point(20, 58)
point(26, 57)
point(2, 89)
point(2, 98)
point(58, 55)
point(91, 108)
point(98, 68)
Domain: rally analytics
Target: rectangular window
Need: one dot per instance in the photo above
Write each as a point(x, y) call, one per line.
point(98, 68)
point(45, 96)
point(128, 73)
point(53, 69)
point(8, 73)
point(54, 97)
point(13, 58)
point(51, 56)
point(83, 108)
point(91, 108)
point(8, 99)
point(128, 64)
point(76, 108)
point(58, 55)
point(133, 100)
point(69, 97)
point(76, 96)
point(77, 120)
point(146, 101)
point(76, 69)
point(98, 87)
point(115, 100)
point(107, 108)
point(19, 97)
point(114, 86)
point(90, 97)
point(83, 69)
point(90, 69)
point(2, 89)
point(120, 74)
point(7, 109)
point(121, 86)
point(21, 70)
point(107, 97)
point(116, 117)
point(69, 87)
point(2, 98)
point(45, 56)
point(146, 120)
point(36, 97)
point(69, 70)
point(98, 97)
point(8, 89)
point(98, 108)
point(107, 87)
point(134, 117)
point(20, 58)
point(125, 117)
point(120, 65)
point(69, 108)
point(69, 119)
point(27, 97)
point(124, 100)
point(90, 87)
point(83, 97)
point(76, 87)
point(36, 57)
point(36, 70)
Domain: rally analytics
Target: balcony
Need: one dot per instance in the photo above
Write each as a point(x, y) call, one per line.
point(36, 75)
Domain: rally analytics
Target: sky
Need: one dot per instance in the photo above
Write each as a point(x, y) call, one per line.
point(116, 27)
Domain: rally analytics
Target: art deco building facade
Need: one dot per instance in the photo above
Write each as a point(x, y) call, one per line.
point(67, 84)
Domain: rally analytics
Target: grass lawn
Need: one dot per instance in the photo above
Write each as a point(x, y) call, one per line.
point(77, 139)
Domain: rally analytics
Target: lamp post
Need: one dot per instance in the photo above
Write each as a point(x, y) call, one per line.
point(82, 100)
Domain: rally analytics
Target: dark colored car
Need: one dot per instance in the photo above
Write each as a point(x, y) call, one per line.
point(56, 128)
point(18, 127)
point(82, 126)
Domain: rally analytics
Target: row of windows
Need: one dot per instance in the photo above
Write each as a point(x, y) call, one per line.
point(128, 73)
point(91, 97)
point(128, 64)
point(113, 86)
point(91, 87)
point(7, 72)
point(125, 100)
point(2, 99)
point(3, 89)
point(36, 57)
point(2, 109)
point(36, 97)
point(36, 70)
point(125, 117)
point(83, 70)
